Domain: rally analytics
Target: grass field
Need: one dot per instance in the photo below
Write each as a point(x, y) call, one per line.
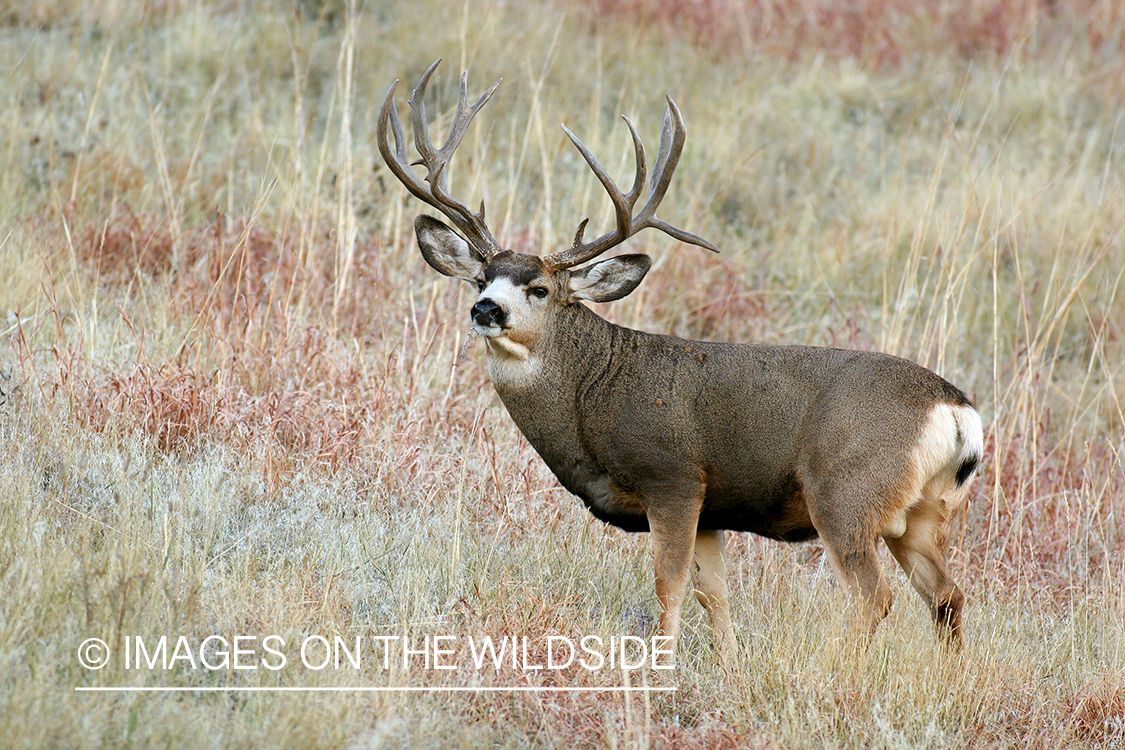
point(229, 404)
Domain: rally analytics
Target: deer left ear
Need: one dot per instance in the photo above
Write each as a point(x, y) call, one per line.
point(445, 251)
point(610, 279)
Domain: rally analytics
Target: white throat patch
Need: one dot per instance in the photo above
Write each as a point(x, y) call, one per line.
point(510, 365)
point(503, 347)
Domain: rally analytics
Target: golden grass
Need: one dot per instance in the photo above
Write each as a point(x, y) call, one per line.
point(229, 406)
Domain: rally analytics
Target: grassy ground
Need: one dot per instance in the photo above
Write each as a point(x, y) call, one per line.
point(229, 405)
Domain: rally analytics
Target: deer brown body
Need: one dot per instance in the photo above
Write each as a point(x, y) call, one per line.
point(686, 439)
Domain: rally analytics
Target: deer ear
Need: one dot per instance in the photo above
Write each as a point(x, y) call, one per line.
point(445, 251)
point(610, 279)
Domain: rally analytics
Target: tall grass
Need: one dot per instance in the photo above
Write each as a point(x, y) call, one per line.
point(229, 402)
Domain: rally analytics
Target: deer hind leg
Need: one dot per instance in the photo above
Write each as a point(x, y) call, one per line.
point(849, 540)
point(856, 563)
point(922, 552)
point(710, 578)
point(846, 517)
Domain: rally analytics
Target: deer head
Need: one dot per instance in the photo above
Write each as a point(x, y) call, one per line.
point(520, 292)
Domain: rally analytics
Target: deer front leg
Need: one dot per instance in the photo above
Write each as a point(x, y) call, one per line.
point(673, 541)
point(710, 576)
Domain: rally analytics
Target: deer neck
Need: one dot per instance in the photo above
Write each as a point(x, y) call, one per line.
point(540, 385)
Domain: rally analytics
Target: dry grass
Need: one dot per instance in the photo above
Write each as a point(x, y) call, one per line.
point(228, 400)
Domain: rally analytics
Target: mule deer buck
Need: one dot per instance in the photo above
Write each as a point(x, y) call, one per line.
point(685, 439)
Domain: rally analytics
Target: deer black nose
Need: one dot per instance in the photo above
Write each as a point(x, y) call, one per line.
point(487, 313)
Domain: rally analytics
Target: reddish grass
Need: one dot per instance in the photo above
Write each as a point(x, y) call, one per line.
point(1044, 515)
point(249, 375)
point(721, 305)
point(225, 267)
point(1095, 717)
point(882, 33)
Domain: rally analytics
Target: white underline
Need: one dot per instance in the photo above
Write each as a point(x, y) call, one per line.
point(513, 689)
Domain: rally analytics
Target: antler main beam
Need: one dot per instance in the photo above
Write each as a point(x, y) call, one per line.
point(435, 160)
point(671, 144)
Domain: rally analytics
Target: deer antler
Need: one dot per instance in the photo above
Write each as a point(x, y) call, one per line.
point(435, 160)
point(472, 225)
point(671, 144)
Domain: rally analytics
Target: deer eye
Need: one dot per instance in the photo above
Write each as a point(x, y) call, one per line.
point(481, 284)
point(538, 291)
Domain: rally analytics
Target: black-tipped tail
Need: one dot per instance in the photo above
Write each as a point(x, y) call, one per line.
point(966, 469)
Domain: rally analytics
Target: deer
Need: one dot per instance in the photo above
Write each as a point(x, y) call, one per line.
point(687, 440)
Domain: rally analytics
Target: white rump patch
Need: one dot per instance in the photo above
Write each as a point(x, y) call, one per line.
point(951, 436)
point(938, 445)
point(972, 433)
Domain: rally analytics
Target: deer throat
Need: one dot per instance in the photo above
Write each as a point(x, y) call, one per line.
point(511, 365)
point(502, 347)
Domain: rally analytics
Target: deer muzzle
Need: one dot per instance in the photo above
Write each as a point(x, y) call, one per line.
point(486, 314)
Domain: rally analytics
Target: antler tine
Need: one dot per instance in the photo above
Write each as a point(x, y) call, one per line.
point(622, 206)
point(672, 139)
point(417, 102)
point(435, 160)
point(639, 152)
point(581, 231)
point(465, 114)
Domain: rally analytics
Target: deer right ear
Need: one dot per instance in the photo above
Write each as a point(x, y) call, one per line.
point(445, 251)
point(609, 280)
